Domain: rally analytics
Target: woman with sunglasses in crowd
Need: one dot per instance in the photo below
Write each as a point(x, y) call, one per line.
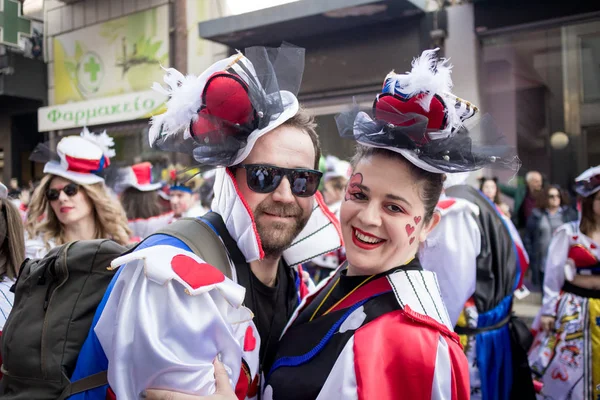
point(71, 202)
point(566, 352)
point(378, 328)
point(552, 211)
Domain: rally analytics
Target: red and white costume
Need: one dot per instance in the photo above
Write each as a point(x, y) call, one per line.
point(390, 339)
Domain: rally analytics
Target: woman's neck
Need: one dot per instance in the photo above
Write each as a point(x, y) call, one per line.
point(84, 229)
point(355, 271)
point(553, 210)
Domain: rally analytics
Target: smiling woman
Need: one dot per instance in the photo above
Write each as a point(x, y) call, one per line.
point(72, 203)
point(387, 216)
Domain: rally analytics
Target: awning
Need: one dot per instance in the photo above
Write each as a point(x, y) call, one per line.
point(304, 18)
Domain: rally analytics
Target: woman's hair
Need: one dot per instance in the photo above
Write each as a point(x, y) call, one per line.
point(140, 205)
point(542, 200)
point(483, 180)
point(12, 240)
point(588, 217)
point(109, 217)
point(431, 184)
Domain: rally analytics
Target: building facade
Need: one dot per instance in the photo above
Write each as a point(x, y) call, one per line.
point(534, 66)
point(103, 57)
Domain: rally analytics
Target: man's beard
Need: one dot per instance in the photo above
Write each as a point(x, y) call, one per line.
point(277, 236)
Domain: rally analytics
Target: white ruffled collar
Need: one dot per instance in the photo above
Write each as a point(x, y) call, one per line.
point(321, 234)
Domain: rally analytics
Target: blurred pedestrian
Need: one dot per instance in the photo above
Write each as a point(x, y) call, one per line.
point(337, 173)
point(552, 211)
point(71, 202)
point(489, 187)
point(183, 192)
point(565, 354)
point(140, 199)
point(525, 196)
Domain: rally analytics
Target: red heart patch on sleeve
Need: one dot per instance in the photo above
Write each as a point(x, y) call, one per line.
point(194, 273)
point(249, 339)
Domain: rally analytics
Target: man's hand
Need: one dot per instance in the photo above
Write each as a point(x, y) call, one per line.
point(224, 390)
point(547, 323)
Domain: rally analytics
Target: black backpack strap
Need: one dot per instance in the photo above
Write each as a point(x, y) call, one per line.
point(88, 383)
point(199, 236)
point(242, 268)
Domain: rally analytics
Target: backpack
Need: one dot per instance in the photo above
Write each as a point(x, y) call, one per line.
point(56, 298)
point(55, 301)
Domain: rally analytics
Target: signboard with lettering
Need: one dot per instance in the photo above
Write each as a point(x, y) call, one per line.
point(126, 107)
point(119, 56)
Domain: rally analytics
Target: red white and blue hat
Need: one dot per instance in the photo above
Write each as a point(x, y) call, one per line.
point(77, 158)
point(138, 176)
point(417, 115)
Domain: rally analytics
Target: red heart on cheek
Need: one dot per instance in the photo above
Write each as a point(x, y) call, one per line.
point(412, 239)
point(417, 220)
point(194, 273)
point(249, 340)
point(409, 229)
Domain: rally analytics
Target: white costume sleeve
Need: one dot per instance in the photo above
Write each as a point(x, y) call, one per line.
point(451, 251)
point(554, 275)
point(36, 248)
point(167, 318)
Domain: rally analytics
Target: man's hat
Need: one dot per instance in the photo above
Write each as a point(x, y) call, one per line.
point(218, 116)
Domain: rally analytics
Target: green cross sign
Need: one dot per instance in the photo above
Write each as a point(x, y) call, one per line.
point(93, 68)
point(12, 22)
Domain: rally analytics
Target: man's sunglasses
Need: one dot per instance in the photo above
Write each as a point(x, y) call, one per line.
point(266, 178)
point(70, 190)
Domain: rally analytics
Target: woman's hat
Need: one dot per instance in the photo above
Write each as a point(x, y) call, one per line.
point(138, 176)
point(218, 116)
point(588, 182)
point(417, 116)
point(336, 168)
point(77, 158)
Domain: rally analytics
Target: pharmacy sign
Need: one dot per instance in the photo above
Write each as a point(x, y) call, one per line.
point(13, 25)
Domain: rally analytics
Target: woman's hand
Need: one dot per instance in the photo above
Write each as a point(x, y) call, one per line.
point(224, 390)
point(547, 323)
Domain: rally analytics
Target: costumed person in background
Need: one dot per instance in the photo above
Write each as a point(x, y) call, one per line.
point(484, 263)
point(164, 199)
point(381, 316)
point(139, 197)
point(71, 202)
point(242, 116)
point(479, 260)
point(335, 178)
point(565, 357)
point(12, 251)
point(183, 192)
point(337, 173)
point(206, 191)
